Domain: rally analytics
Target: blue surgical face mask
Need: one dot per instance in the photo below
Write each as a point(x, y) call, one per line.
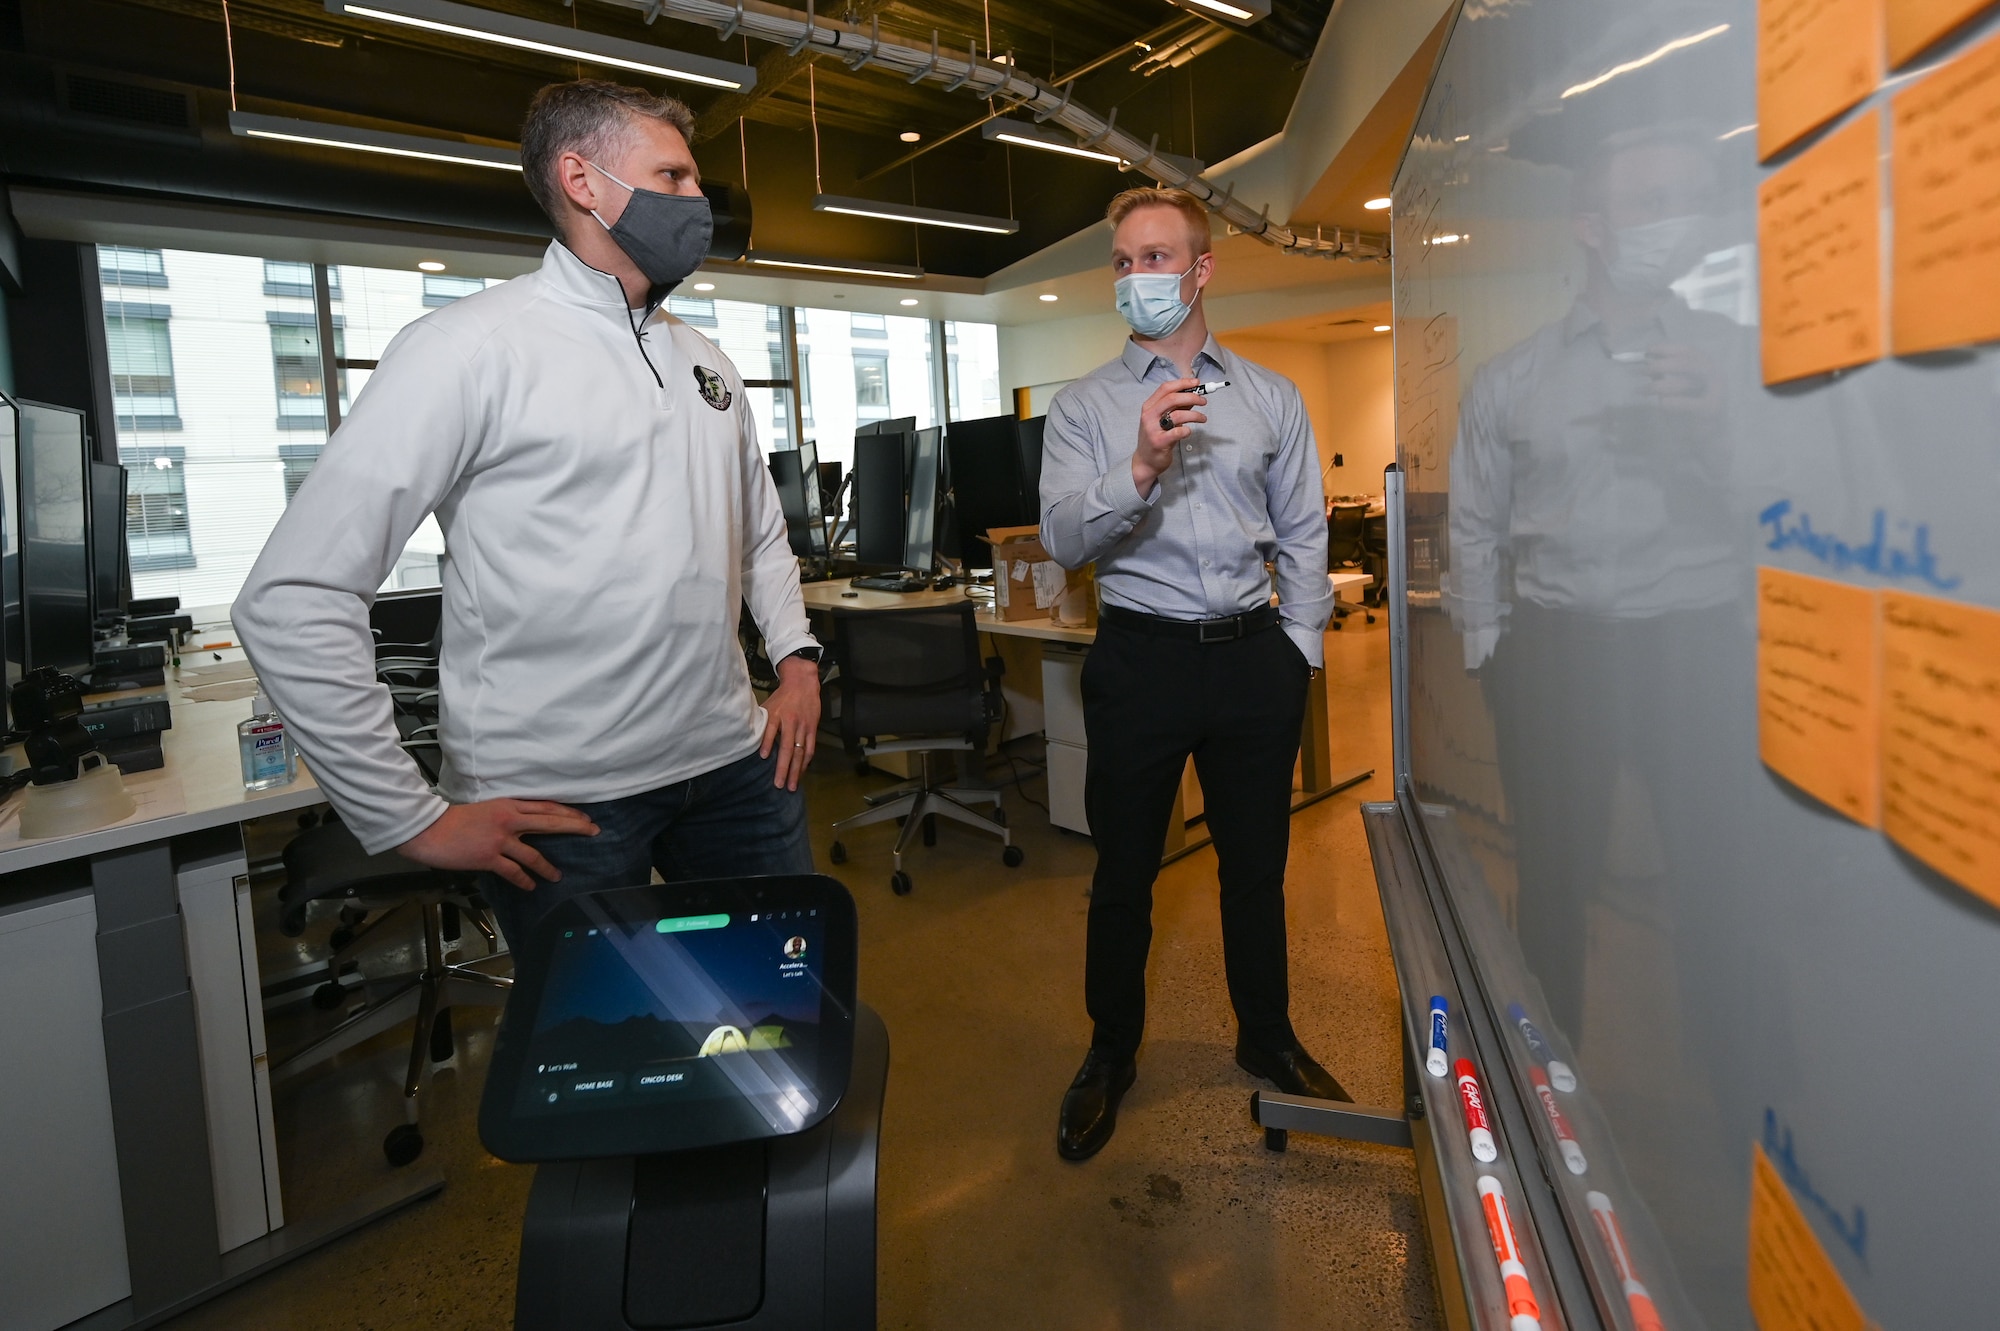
point(1151, 302)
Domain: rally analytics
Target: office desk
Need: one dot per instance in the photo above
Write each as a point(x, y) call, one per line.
point(1317, 779)
point(172, 1085)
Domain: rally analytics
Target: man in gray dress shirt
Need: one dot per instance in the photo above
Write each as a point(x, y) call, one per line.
point(1182, 499)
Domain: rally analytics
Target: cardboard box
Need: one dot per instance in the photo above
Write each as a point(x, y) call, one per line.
point(1016, 552)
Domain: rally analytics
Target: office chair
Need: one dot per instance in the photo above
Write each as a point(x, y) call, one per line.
point(1375, 558)
point(916, 676)
point(327, 863)
point(1346, 528)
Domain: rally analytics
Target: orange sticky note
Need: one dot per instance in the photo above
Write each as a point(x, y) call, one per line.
point(1944, 166)
point(1817, 723)
point(1815, 58)
point(1794, 1285)
point(1915, 24)
point(1941, 736)
point(1819, 234)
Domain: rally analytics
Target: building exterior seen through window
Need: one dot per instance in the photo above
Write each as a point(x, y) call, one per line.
point(216, 444)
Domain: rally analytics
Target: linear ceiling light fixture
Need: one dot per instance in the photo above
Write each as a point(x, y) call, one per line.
point(852, 267)
point(1677, 44)
point(1236, 11)
point(320, 134)
point(1034, 136)
point(523, 34)
point(909, 212)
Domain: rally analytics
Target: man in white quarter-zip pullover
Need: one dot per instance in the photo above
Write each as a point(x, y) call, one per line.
point(606, 509)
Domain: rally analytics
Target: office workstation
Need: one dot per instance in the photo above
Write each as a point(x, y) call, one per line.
point(686, 664)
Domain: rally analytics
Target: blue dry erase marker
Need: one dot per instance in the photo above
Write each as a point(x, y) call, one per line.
point(1559, 1074)
point(1436, 1061)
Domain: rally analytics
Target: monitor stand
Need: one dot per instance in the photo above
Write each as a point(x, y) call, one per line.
point(774, 1235)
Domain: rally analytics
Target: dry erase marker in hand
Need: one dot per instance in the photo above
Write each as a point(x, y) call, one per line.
point(1523, 1313)
point(1477, 1130)
point(1572, 1154)
point(1206, 388)
point(1559, 1073)
point(1437, 1061)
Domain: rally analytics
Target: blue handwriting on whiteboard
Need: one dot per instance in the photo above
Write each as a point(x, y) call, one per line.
point(1778, 1145)
point(1791, 530)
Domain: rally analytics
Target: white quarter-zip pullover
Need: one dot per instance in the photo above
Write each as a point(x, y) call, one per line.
point(605, 509)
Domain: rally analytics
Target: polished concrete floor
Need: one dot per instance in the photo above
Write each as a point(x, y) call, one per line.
point(1183, 1221)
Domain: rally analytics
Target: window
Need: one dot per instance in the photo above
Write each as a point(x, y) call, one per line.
point(444, 290)
point(869, 326)
point(693, 310)
point(781, 416)
point(124, 266)
point(296, 363)
point(285, 278)
point(297, 460)
point(157, 531)
point(141, 353)
point(973, 368)
point(871, 386)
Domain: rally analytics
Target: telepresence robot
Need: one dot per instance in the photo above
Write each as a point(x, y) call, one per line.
point(690, 1069)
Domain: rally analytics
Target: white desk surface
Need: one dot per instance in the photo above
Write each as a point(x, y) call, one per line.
point(200, 787)
point(830, 596)
point(1341, 582)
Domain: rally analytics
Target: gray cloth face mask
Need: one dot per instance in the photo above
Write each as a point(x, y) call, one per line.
point(666, 235)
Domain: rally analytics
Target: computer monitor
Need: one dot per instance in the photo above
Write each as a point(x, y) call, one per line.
point(877, 500)
point(894, 425)
point(796, 473)
point(55, 537)
point(920, 527)
point(829, 489)
point(987, 487)
point(109, 563)
point(1029, 438)
point(13, 627)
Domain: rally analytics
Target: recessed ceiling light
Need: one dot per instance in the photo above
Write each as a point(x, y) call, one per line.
point(907, 300)
point(1376, 205)
point(1381, 328)
point(704, 286)
point(1048, 295)
point(431, 266)
point(909, 136)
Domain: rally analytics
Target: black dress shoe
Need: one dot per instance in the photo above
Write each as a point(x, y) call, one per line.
point(1090, 1109)
point(1292, 1071)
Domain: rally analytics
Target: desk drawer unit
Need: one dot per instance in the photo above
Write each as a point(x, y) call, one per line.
point(1062, 692)
point(1066, 764)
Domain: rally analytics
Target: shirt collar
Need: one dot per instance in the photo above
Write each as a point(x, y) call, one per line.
point(578, 282)
point(1140, 361)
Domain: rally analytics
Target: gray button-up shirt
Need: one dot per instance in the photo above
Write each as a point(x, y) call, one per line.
point(1244, 491)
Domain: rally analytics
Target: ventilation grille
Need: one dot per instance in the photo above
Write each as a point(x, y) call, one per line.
point(131, 103)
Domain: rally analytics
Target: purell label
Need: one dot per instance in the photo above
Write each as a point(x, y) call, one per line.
point(267, 753)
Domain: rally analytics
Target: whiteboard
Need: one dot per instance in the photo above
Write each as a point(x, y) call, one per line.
point(1593, 466)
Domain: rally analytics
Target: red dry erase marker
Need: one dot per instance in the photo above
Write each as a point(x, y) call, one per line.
point(1644, 1315)
point(1523, 1313)
point(1572, 1154)
point(1476, 1126)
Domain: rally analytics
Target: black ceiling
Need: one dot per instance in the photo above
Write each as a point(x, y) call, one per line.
point(292, 57)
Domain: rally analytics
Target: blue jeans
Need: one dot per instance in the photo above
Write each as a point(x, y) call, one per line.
point(728, 823)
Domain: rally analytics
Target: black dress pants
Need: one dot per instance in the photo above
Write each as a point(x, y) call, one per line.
point(1149, 702)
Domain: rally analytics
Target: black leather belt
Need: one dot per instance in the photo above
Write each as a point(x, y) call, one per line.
point(1227, 629)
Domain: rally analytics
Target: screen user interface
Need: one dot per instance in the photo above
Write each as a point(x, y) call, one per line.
point(676, 1009)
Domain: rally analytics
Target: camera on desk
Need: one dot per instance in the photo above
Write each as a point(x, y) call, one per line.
point(48, 710)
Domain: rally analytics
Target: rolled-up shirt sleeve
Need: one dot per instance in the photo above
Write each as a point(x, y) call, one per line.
point(1089, 504)
point(303, 613)
point(1297, 504)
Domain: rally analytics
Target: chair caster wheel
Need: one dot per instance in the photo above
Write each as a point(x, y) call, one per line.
point(1276, 1139)
point(1338, 626)
point(900, 884)
point(340, 938)
point(329, 996)
point(403, 1144)
point(999, 815)
point(1012, 857)
point(837, 852)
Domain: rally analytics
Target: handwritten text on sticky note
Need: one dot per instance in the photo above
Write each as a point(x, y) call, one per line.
point(1817, 724)
point(1819, 232)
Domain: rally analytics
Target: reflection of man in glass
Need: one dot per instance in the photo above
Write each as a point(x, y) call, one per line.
point(1591, 546)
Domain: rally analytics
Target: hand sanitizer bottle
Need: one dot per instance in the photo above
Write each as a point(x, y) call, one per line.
point(268, 757)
